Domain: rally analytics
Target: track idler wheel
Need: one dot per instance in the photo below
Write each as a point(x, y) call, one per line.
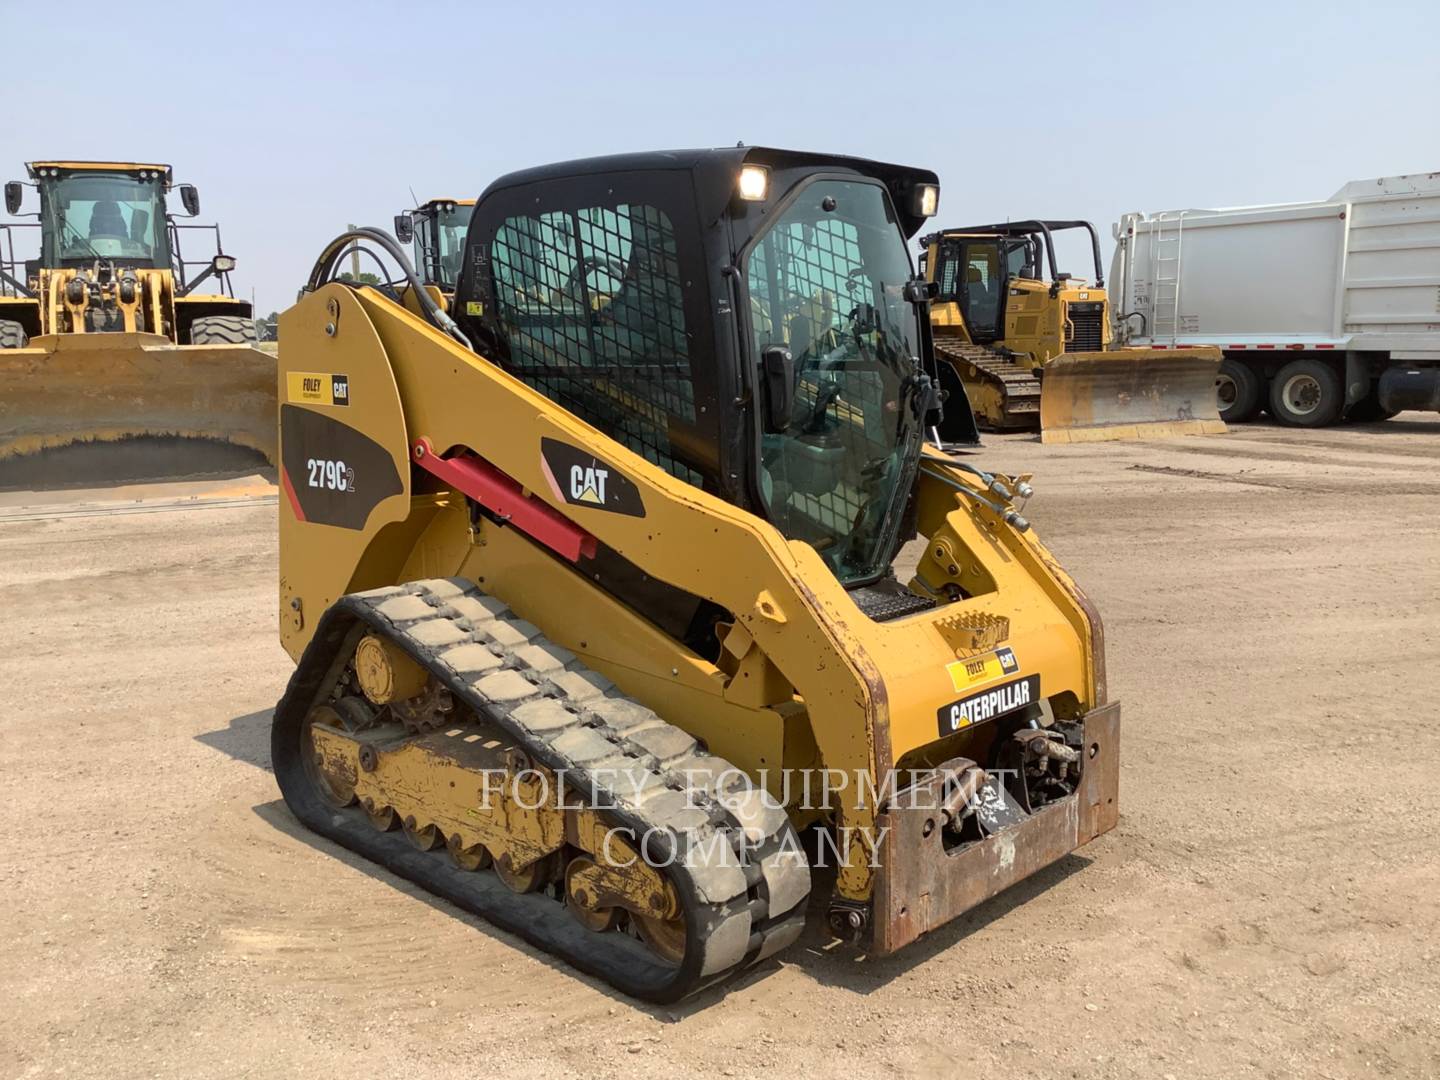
point(333, 781)
point(666, 937)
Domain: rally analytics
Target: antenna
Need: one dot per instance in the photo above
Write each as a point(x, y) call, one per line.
point(413, 200)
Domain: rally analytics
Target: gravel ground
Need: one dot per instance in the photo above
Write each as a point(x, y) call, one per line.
point(1266, 907)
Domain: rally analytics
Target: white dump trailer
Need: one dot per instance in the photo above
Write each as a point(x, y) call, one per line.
point(1322, 309)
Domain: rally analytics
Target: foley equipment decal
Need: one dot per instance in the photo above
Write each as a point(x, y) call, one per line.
point(315, 388)
point(980, 669)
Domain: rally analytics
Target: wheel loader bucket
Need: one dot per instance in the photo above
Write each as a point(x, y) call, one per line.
point(1129, 394)
point(105, 407)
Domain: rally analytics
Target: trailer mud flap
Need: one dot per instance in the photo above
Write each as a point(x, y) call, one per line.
point(70, 390)
point(1130, 394)
point(921, 886)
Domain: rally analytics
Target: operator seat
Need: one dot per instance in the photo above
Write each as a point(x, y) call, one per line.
point(981, 298)
point(107, 222)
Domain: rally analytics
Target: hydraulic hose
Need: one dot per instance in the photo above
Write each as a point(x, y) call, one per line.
point(324, 271)
point(1004, 513)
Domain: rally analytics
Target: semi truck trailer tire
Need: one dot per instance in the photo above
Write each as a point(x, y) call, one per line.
point(1239, 392)
point(1306, 393)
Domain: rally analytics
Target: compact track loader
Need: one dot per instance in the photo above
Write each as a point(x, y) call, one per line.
point(1032, 352)
point(110, 336)
point(592, 589)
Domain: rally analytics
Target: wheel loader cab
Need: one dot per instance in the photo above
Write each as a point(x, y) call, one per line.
point(90, 214)
point(609, 285)
point(437, 238)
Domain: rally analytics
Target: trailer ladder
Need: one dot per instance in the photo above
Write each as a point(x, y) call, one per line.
point(1165, 249)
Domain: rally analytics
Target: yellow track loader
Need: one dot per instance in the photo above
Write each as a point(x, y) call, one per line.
point(110, 336)
point(593, 589)
point(1031, 352)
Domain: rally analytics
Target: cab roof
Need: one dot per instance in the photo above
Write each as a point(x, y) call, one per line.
point(430, 203)
point(1009, 228)
point(716, 172)
point(100, 166)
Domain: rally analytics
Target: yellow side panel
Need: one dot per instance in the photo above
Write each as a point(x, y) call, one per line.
point(322, 561)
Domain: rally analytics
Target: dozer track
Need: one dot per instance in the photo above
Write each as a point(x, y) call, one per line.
point(1013, 398)
point(500, 696)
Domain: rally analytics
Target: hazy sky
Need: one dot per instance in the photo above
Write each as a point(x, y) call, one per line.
point(294, 119)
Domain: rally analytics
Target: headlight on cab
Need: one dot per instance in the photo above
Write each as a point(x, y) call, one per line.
point(754, 182)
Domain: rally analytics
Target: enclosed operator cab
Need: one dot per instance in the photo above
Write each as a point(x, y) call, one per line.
point(435, 231)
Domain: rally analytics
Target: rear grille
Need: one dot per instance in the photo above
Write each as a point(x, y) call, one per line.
point(1088, 335)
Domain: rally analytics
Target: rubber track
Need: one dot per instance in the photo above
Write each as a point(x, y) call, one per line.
point(1019, 385)
point(693, 805)
point(222, 330)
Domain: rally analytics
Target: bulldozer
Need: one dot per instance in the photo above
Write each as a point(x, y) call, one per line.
point(596, 594)
point(1032, 352)
point(112, 337)
point(436, 231)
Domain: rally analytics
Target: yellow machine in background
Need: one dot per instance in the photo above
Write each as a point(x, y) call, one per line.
point(592, 592)
point(1036, 353)
point(436, 232)
point(108, 337)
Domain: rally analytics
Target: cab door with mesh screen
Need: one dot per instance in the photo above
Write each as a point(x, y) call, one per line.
point(598, 303)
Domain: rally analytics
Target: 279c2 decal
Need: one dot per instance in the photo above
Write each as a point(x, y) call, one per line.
point(332, 473)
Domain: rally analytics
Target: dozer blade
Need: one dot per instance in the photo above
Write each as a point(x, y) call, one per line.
point(103, 407)
point(1129, 394)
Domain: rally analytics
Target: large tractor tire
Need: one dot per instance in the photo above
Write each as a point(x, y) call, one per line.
point(223, 330)
point(1239, 392)
point(12, 335)
point(1306, 393)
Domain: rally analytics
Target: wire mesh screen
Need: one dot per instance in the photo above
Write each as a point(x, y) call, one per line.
point(949, 263)
point(591, 302)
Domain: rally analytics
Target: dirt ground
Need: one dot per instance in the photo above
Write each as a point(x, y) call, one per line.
point(1267, 906)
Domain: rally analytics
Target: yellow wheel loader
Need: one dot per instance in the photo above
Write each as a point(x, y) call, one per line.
point(436, 232)
point(1035, 353)
point(592, 589)
point(111, 336)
